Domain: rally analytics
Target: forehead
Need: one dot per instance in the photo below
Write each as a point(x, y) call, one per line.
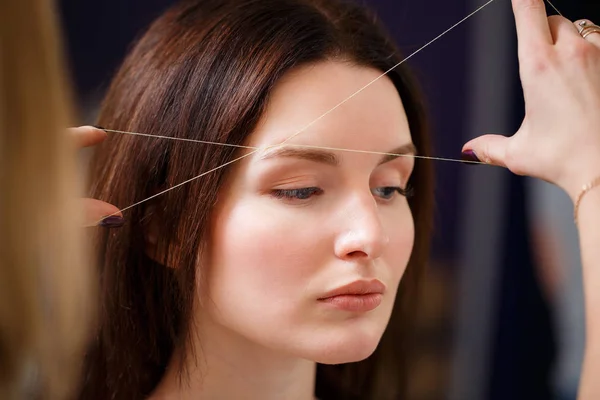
point(372, 120)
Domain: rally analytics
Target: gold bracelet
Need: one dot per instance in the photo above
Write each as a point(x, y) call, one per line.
point(586, 188)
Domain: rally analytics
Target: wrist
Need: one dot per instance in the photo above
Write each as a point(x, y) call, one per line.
point(580, 175)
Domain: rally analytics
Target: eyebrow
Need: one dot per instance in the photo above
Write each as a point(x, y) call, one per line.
point(405, 149)
point(317, 155)
point(328, 157)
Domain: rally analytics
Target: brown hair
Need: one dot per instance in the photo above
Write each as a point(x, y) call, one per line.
point(45, 278)
point(204, 71)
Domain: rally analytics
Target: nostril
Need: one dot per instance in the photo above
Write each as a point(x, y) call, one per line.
point(356, 254)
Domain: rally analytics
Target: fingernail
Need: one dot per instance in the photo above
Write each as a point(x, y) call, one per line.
point(469, 155)
point(112, 222)
point(99, 127)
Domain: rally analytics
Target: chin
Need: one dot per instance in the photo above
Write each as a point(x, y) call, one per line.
point(345, 357)
point(346, 345)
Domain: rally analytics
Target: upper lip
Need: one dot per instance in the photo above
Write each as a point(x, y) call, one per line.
point(361, 287)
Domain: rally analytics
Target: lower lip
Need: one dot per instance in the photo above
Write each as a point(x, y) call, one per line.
point(355, 303)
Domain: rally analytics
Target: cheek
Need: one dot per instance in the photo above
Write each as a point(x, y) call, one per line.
point(402, 237)
point(262, 258)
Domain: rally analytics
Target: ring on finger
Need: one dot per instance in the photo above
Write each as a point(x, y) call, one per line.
point(586, 29)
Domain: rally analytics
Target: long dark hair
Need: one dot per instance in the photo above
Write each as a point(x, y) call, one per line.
point(204, 70)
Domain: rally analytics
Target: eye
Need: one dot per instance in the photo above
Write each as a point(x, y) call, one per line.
point(296, 194)
point(387, 192)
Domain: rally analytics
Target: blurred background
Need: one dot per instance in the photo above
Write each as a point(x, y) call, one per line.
point(502, 311)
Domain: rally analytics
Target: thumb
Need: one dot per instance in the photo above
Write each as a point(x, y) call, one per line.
point(489, 149)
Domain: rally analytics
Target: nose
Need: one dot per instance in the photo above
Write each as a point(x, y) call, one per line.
point(362, 235)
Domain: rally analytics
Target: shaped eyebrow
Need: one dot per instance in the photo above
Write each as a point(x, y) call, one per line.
point(317, 155)
point(328, 157)
point(405, 149)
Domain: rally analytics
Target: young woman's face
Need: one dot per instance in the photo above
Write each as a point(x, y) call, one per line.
point(295, 224)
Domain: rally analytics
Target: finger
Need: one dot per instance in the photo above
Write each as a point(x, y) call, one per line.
point(97, 211)
point(86, 136)
point(562, 30)
point(532, 24)
point(594, 32)
point(489, 149)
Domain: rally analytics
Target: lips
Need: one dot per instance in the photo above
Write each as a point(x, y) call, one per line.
point(359, 296)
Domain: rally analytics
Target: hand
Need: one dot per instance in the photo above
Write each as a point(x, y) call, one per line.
point(559, 140)
point(96, 210)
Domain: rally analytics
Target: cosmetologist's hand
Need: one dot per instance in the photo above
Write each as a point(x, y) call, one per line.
point(95, 211)
point(559, 139)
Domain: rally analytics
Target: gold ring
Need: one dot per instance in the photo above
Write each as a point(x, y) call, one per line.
point(587, 29)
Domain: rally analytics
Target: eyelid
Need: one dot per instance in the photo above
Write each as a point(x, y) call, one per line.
point(392, 175)
point(284, 181)
point(294, 185)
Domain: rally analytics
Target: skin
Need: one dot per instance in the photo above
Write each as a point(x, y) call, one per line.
point(274, 254)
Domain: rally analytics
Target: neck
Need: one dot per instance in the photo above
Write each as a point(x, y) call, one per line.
point(225, 365)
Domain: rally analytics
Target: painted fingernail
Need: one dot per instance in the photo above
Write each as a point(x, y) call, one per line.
point(112, 222)
point(469, 155)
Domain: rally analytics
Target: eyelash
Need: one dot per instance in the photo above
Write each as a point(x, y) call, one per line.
point(296, 194)
point(305, 193)
point(408, 192)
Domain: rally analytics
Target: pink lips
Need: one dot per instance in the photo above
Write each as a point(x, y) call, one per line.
point(359, 296)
